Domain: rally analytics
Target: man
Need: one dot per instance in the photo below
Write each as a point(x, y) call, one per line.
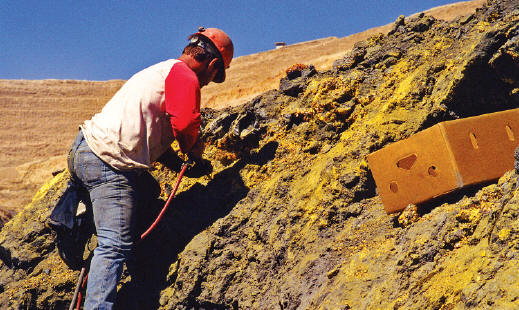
point(136, 127)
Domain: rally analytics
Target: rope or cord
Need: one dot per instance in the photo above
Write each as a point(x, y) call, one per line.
point(159, 217)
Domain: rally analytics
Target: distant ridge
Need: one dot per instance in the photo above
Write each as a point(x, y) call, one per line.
point(39, 118)
point(248, 75)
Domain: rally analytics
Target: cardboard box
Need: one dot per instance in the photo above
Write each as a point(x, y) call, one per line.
point(445, 157)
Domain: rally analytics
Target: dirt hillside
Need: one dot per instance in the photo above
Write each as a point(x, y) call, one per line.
point(290, 217)
point(38, 119)
point(253, 74)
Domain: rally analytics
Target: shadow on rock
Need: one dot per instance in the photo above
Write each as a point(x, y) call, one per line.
point(189, 213)
point(451, 198)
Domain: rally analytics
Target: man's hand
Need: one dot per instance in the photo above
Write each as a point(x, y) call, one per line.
point(197, 151)
point(200, 168)
point(171, 160)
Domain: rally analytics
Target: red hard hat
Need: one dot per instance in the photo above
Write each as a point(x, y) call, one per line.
point(224, 45)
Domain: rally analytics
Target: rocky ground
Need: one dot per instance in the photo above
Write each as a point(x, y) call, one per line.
point(290, 218)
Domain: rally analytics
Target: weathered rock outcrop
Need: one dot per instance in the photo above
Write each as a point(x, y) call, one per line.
point(290, 218)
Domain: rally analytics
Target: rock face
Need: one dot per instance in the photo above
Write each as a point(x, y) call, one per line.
point(290, 218)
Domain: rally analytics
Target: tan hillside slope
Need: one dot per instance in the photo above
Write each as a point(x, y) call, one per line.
point(38, 119)
point(253, 74)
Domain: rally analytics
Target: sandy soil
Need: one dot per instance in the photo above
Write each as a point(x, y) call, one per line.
point(39, 119)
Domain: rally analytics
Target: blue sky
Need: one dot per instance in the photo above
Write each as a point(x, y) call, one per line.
point(102, 40)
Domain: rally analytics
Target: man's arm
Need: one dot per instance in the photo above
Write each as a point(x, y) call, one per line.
point(182, 94)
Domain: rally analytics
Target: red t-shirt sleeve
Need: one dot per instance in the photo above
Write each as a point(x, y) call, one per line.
point(182, 94)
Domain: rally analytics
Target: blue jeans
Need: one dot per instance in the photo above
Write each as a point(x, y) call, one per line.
point(114, 198)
